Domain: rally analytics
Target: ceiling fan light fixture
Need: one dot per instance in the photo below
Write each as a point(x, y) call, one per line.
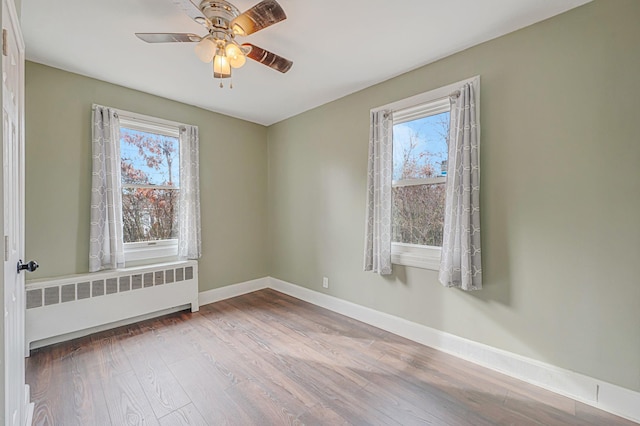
point(223, 22)
point(238, 29)
point(238, 62)
point(235, 55)
point(221, 65)
point(205, 50)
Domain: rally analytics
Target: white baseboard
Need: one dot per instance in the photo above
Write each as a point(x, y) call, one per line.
point(605, 396)
point(227, 292)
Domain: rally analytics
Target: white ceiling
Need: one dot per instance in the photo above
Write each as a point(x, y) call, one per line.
point(337, 46)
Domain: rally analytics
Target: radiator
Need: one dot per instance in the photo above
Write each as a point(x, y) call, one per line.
point(63, 308)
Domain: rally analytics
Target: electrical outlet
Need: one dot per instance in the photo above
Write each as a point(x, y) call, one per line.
point(325, 282)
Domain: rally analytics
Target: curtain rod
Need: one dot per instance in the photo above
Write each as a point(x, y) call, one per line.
point(142, 118)
point(453, 95)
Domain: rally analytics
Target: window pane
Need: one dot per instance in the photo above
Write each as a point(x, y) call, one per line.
point(420, 150)
point(149, 214)
point(420, 147)
point(149, 158)
point(418, 214)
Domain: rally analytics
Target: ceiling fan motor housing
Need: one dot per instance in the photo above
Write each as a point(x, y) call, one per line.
point(219, 13)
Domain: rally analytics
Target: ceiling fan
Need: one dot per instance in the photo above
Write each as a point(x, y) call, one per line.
point(224, 23)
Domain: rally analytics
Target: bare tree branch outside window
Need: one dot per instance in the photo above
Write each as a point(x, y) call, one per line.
point(150, 185)
point(420, 149)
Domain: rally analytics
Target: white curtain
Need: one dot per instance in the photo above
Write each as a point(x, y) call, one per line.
point(189, 244)
point(106, 249)
point(460, 262)
point(377, 250)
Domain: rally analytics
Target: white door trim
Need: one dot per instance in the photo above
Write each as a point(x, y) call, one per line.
point(14, 395)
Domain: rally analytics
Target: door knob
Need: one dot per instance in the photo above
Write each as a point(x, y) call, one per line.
point(30, 267)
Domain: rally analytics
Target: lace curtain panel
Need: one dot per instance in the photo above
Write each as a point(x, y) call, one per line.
point(106, 248)
point(460, 261)
point(377, 250)
point(189, 243)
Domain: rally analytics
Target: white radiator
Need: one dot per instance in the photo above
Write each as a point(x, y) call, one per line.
point(64, 308)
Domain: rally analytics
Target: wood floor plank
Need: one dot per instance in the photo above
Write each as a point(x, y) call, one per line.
point(126, 401)
point(261, 403)
point(590, 415)
point(252, 368)
point(268, 358)
point(326, 385)
point(163, 391)
point(42, 373)
point(185, 416)
point(302, 346)
point(172, 334)
point(206, 389)
point(111, 359)
point(322, 415)
point(72, 394)
point(89, 402)
point(428, 384)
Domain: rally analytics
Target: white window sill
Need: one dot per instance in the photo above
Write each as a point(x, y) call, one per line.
point(425, 257)
point(150, 251)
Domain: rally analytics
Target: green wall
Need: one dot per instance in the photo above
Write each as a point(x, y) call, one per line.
point(560, 196)
point(233, 174)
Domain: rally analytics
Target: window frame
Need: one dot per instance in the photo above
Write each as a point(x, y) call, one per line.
point(158, 250)
point(411, 108)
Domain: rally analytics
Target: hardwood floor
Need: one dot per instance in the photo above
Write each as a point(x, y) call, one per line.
point(269, 359)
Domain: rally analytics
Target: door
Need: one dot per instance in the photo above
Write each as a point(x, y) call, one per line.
point(15, 393)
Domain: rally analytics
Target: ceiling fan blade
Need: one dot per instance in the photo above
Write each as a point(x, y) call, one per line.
point(191, 9)
point(260, 16)
point(169, 37)
point(267, 58)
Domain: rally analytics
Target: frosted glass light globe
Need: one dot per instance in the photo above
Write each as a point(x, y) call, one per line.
point(205, 49)
point(235, 55)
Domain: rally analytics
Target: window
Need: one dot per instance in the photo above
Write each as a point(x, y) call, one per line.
point(422, 207)
point(420, 150)
point(150, 182)
point(419, 174)
point(145, 196)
